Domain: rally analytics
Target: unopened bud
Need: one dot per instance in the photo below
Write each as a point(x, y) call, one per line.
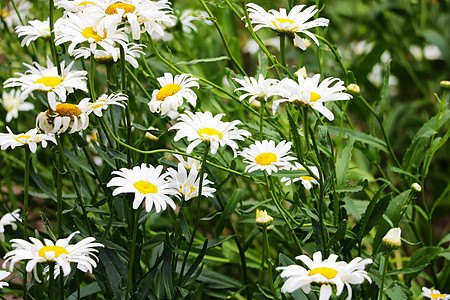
point(392, 239)
point(263, 220)
point(301, 72)
point(302, 43)
point(151, 136)
point(354, 88)
point(416, 187)
point(256, 103)
point(445, 84)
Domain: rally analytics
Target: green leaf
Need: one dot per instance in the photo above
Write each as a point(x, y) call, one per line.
point(228, 211)
point(422, 257)
point(167, 275)
point(197, 262)
point(85, 291)
point(360, 137)
point(295, 135)
point(184, 227)
point(368, 213)
point(342, 163)
point(384, 89)
point(203, 60)
point(339, 234)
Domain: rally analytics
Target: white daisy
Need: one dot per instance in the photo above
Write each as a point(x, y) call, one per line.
point(265, 156)
point(3, 275)
point(204, 127)
point(187, 185)
point(80, 28)
point(434, 294)
point(149, 14)
point(307, 181)
point(12, 102)
point(325, 273)
point(9, 219)
point(255, 88)
point(30, 138)
point(132, 51)
point(309, 92)
point(189, 15)
point(36, 29)
point(65, 116)
point(61, 253)
point(9, 14)
point(294, 22)
point(190, 163)
point(102, 103)
point(173, 90)
point(47, 80)
point(146, 183)
point(75, 6)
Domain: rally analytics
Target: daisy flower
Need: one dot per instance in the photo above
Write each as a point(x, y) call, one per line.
point(189, 15)
point(265, 156)
point(149, 14)
point(13, 103)
point(307, 181)
point(65, 116)
point(132, 51)
point(47, 80)
point(435, 294)
point(310, 93)
point(190, 163)
point(324, 273)
point(188, 185)
point(30, 138)
point(204, 127)
point(172, 92)
point(146, 183)
point(75, 6)
point(102, 103)
point(3, 275)
point(295, 22)
point(9, 219)
point(36, 29)
point(255, 88)
point(61, 253)
point(9, 14)
point(80, 28)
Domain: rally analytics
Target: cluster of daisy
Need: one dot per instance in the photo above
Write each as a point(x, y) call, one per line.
point(153, 187)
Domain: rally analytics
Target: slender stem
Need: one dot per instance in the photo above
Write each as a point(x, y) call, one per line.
point(383, 278)
point(283, 49)
point(269, 265)
point(197, 214)
point(132, 252)
point(26, 179)
point(51, 281)
point(138, 83)
point(92, 77)
point(305, 128)
point(52, 37)
point(261, 117)
point(59, 174)
point(224, 41)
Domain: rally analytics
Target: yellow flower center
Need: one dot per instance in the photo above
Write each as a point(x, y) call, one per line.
point(112, 9)
point(314, 97)
point(57, 249)
point(89, 32)
point(97, 104)
point(5, 13)
point(67, 110)
point(437, 296)
point(23, 136)
point(85, 3)
point(191, 189)
point(326, 272)
point(209, 132)
point(49, 81)
point(307, 178)
point(145, 187)
point(265, 158)
point(168, 90)
point(283, 20)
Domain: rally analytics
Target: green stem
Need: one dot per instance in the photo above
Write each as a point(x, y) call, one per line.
point(197, 213)
point(132, 252)
point(283, 49)
point(269, 265)
point(51, 281)
point(224, 41)
point(261, 117)
point(383, 278)
point(305, 128)
point(59, 174)
point(26, 179)
point(92, 77)
point(52, 37)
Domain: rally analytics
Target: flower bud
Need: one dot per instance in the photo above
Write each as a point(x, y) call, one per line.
point(392, 239)
point(263, 220)
point(445, 84)
point(151, 136)
point(354, 88)
point(301, 72)
point(416, 187)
